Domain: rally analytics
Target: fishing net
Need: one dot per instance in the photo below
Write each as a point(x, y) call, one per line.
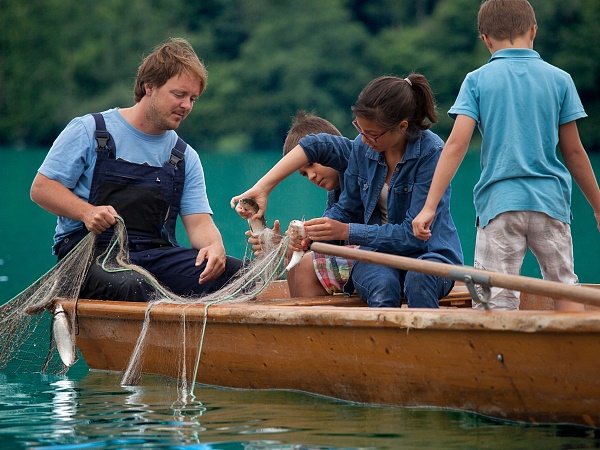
point(35, 333)
point(26, 321)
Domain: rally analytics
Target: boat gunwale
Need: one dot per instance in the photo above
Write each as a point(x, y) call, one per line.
point(283, 312)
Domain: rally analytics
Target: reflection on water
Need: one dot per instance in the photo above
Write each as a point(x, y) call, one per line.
point(64, 409)
point(92, 410)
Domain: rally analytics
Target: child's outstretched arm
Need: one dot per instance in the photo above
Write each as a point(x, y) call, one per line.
point(286, 166)
point(578, 163)
point(452, 155)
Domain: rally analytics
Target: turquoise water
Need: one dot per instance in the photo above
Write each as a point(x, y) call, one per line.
point(27, 229)
point(86, 409)
point(91, 410)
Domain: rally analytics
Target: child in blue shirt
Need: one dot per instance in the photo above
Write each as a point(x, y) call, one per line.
point(524, 107)
point(316, 274)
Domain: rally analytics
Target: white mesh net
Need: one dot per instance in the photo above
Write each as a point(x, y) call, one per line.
point(28, 320)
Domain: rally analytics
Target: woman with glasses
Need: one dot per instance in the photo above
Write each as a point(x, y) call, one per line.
point(390, 168)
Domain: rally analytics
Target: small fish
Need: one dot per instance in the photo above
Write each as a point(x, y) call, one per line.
point(248, 208)
point(297, 226)
point(65, 342)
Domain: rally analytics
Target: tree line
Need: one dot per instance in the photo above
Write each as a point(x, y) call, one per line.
point(265, 59)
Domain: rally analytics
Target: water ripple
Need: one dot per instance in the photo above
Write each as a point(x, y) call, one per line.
point(94, 411)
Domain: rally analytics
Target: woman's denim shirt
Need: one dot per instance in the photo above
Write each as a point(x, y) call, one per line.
point(363, 181)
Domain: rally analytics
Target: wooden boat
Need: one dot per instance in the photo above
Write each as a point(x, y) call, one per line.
point(533, 365)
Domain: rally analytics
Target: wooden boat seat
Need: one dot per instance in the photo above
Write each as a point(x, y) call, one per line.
point(458, 297)
point(277, 293)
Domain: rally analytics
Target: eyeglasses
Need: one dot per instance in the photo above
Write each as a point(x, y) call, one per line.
point(369, 137)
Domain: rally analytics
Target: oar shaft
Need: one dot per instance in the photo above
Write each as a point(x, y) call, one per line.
point(554, 289)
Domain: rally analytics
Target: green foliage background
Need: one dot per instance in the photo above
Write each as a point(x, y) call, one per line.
point(265, 58)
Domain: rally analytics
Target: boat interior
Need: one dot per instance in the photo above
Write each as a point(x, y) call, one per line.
point(459, 297)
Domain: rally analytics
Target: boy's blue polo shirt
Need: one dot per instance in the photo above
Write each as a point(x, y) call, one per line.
point(519, 101)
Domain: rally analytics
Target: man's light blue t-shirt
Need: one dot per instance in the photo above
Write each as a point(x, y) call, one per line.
point(519, 101)
point(72, 158)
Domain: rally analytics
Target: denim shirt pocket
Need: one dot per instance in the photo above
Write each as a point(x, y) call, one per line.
point(401, 200)
point(363, 187)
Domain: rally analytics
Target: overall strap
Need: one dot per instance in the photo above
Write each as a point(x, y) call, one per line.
point(102, 136)
point(177, 153)
point(173, 185)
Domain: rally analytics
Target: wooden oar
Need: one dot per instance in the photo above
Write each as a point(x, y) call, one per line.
point(554, 289)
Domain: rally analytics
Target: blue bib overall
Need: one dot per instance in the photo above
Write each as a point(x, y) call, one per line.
point(148, 200)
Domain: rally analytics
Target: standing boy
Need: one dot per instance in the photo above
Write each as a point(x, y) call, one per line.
point(524, 107)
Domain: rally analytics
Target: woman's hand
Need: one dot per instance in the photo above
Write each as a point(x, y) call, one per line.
point(326, 229)
point(297, 243)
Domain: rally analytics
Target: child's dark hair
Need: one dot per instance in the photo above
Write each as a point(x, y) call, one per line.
point(505, 19)
point(304, 124)
point(390, 100)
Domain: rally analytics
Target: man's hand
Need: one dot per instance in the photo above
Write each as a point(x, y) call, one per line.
point(54, 197)
point(204, 236)
point(99, 218)
point(215, 258)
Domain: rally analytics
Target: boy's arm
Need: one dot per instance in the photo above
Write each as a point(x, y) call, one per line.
point(452, 155)
point(578, 163)
point(286, 166)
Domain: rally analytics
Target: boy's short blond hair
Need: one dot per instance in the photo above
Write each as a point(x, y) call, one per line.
point(505, 19)
point(304, 124)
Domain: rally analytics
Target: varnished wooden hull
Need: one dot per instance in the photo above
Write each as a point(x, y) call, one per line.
point(533, 366)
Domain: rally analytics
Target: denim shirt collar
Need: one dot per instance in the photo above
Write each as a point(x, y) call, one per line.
point(413, 151)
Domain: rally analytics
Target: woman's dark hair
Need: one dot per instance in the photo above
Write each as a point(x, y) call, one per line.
point(389, 100)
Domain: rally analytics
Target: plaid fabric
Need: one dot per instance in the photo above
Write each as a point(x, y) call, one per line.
point(333, 272)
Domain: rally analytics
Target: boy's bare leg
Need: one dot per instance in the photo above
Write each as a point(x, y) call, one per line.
point(566, 305)
point(303, 281)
